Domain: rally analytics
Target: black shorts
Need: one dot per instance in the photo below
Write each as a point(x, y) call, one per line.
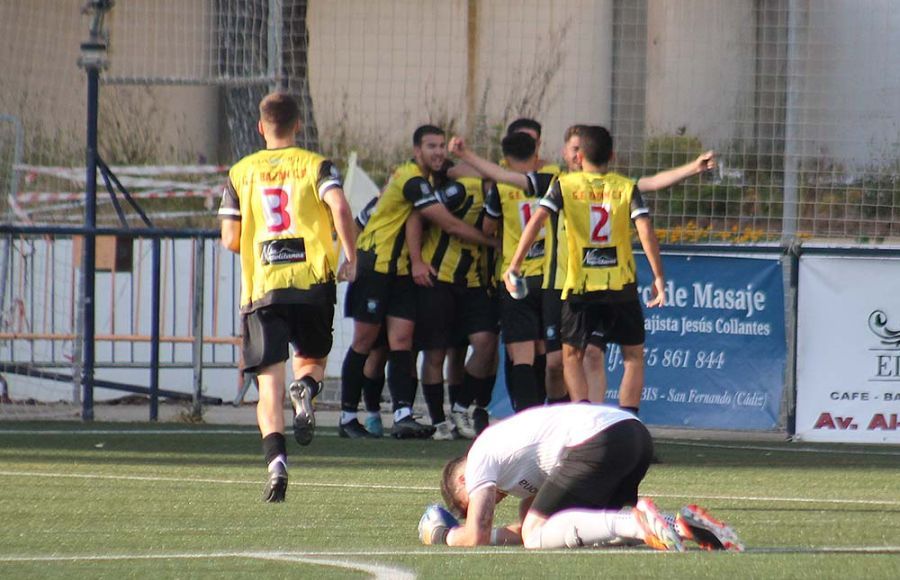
point(374, 296)
point(601, 323)
point(449, 313)
point(267, 332)
point(551, 314)
point(520, 320)
point(603, 472)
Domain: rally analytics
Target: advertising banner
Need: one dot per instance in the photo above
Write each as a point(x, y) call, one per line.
point(715, 355)
point(848, 349)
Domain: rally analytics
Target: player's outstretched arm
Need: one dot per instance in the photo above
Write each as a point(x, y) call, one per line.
point(422, 272)
point(486, 168)
point(529, 234)
point(650, 244)
point(437, 214)
point(345, 228)
point(705, 162)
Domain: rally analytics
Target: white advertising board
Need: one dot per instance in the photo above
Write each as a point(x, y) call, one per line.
point(848, 350)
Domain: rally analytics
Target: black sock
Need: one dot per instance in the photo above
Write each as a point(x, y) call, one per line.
point(564, 399)
point(540, 376)
point(468, 390)
point(632, 410)
point(485, 390)
point(399, 378)
point(522, 387)
point(454, 392)
point(434, 400)
point(371, 392)
point(351, 380)
point(273, 446)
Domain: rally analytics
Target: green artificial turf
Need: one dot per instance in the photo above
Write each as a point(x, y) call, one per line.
point(113, 501)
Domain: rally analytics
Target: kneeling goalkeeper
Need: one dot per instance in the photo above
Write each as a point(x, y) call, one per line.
point(576, 469)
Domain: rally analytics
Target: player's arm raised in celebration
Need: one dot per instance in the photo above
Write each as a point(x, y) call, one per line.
point(422, 272)
point(705, 162)
point(486, 168)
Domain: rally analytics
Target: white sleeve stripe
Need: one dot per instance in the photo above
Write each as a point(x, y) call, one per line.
point(229, 211)
point(639, 212)
point(425, 201)
point(532, 180)
point(548, 204)
point(329, 184)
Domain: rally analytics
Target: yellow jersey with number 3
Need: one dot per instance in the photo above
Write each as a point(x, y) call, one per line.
point(287, 242)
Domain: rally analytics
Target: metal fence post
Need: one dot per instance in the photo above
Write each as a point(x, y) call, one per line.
point(154, 327)
point(197, 350)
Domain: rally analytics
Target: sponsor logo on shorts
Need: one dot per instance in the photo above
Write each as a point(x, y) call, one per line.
point(551, 332)
point(600, 258)
point(371, 305)
point(283, 251)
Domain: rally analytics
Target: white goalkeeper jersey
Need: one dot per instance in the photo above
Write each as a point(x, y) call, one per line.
point(518, 453)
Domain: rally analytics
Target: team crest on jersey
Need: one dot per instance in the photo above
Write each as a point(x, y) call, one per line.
point(600, 258)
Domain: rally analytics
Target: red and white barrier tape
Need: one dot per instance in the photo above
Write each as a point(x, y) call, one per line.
point(52, 196)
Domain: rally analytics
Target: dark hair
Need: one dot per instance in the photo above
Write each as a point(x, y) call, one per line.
point(280, 111)
point(518, 146)
point(596, 144)
point(572, 131)
point(420, 133)
point(448, 487)
point(524, 123)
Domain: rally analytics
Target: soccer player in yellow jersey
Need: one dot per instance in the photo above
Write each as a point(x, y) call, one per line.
point(279, 211)
point(454, 308)
point(600, 290)
point(555, 271)
point(383, 292)
point(519, 188)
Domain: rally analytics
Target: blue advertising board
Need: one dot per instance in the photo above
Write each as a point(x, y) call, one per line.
point(715, 355)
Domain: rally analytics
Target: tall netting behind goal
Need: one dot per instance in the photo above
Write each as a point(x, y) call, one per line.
point(798, 99)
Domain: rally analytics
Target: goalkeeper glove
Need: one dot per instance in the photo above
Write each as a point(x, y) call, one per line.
point(435, 525)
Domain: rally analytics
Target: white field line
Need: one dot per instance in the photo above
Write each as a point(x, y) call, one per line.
point(327, 557)
point(253, 430)
point(428, 489)
point(377, 571)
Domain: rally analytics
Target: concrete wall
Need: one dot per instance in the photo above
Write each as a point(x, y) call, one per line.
point(700, 69)
point(378, 69)
point(43, 85)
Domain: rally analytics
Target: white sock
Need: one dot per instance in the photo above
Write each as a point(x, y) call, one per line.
point(457, 408)
point(280, 459)
point(347, 417)
point(576, 528)
point(402, 413)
